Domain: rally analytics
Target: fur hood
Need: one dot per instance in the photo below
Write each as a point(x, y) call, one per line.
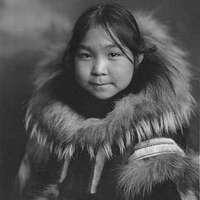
point(162, 106)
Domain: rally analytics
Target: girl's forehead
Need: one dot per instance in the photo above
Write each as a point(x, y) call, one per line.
point(98, 36)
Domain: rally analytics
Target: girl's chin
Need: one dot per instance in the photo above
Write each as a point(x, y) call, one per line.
point(102, 95)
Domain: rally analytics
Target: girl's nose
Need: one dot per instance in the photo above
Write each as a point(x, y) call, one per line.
point(99, 67)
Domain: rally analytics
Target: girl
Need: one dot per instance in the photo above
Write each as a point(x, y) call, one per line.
point(107, 121)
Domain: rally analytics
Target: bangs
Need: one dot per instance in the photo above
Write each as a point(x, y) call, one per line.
point(121, 27)
point(117, 22)
point(119, 38)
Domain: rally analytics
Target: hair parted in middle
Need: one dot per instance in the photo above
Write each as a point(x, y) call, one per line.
point(121, 25)
point(118, 23)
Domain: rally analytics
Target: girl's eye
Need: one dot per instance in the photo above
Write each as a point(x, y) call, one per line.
point(114, 54)
point(84, 55)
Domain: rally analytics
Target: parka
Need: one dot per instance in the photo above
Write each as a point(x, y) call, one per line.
point(135, 148)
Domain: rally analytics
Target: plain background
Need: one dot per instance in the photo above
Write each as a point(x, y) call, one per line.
point(27, 27)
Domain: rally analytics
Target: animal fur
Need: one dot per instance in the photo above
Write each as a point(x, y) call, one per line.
point(168, 107)
point(139, 176)
point(161, 107)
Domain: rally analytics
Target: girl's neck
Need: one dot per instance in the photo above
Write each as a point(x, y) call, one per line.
point(93, 107)
point(89, 106)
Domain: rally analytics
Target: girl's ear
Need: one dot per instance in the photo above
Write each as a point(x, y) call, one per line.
point(140, 58)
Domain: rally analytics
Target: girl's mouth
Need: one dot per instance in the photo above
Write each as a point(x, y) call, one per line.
point(99, 84)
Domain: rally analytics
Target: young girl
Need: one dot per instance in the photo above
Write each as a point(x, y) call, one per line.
point(107, 121)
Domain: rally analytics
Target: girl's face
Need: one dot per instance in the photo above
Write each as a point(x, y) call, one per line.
point(101, 68)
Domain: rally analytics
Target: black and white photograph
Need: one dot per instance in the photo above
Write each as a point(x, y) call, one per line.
point(99, 100)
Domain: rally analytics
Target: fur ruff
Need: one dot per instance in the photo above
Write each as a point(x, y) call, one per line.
point(139, 176)
point(156, 110)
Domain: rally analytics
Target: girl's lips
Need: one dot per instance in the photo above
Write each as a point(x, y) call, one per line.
point(99, 84)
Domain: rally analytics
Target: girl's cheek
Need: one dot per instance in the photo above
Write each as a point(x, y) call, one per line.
point(82, 71)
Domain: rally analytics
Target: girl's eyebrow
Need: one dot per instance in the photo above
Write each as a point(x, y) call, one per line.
point(106, 46)
point(110, 46)
point(85, 47)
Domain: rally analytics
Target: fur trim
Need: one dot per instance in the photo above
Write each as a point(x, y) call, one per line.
point(139, 176)
point(156, 110)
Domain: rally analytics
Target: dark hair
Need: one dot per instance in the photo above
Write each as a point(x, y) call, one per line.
point(116, 20)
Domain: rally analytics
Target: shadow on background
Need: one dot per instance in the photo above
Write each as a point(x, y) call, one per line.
point(28, 28)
